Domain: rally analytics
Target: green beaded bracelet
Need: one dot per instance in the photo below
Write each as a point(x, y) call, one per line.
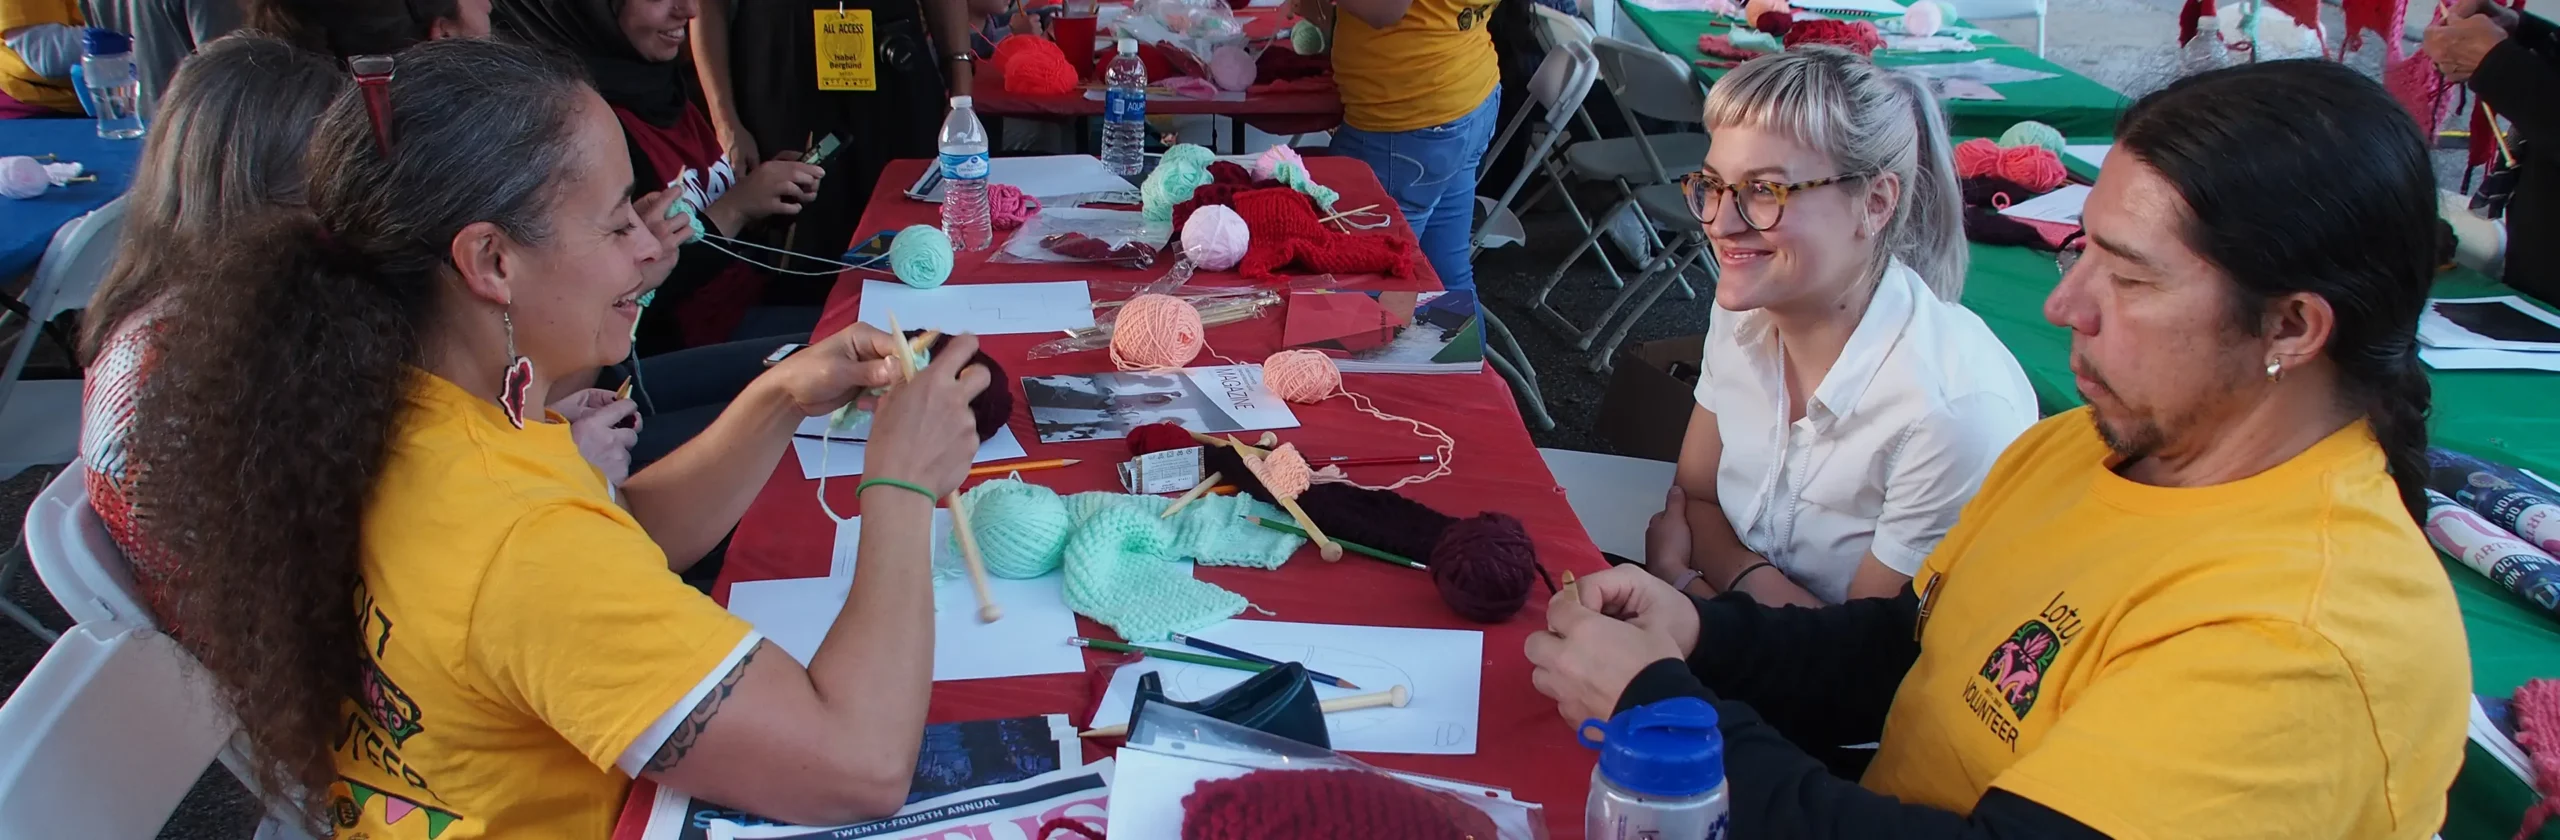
point(869, 483)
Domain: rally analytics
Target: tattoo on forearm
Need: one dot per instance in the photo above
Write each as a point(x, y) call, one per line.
point(690, 729)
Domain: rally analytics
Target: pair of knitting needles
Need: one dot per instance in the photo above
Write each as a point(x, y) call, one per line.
point(988, 611)
point(1325, 546)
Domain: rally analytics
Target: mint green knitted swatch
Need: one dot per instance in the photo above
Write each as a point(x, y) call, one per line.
point(1118, 574)
point(1211, 531)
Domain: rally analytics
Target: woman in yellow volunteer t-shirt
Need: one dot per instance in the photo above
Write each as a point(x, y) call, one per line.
point(423, 606)
point(39, 44)
point(1420, 88)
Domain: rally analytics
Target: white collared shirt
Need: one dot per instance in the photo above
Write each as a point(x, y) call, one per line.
point(1892, 444)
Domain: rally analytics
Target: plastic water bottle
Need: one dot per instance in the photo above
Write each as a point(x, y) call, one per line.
point(115, 91)
point(1124, 112)
point(1661, 774)
point(964, 178)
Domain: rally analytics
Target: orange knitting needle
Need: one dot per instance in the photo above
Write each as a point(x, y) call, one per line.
point(1023, 466)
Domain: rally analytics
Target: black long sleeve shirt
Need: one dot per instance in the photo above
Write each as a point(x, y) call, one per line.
point(2517, 79)
point(1784, 676)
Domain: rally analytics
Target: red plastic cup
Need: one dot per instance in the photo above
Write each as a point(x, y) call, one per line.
point(1075, 38)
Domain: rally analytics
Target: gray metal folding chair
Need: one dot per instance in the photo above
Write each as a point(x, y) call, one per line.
point(1561, 83)
point(1645, 82)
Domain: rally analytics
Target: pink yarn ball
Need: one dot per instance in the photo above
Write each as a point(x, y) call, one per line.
point(1284, 472)
point(1267, 167)
point(1301, 376)
point(22, 177)
point(1155, 332)
point(1977, 157)
point(1215, 238)
point(2033, 167)
point(1008, 206)
point(1232, 68)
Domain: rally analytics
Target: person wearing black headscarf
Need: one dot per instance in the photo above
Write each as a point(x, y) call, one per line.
point(634, 49)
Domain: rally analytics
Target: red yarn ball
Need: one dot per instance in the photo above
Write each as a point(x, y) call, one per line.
point(1039, 70)
point(1017, 44)
point(1159, 437)
point(1777, 24)
point(1857, 36)
point(1484, 566)
point(1327, 805)
point(2033, 167)
point(1977, 157)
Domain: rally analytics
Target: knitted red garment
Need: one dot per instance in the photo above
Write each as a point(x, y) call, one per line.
point(1287, 235)
point(1326, 805)
point(2537, 714)
point(1722, 47)
point(1856, 35)
point(2381, 16)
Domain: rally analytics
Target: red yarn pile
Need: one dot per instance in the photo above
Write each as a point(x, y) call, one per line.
point(1857, 36)
point(1327, 805)
point(1226, 178)
point(1287, 235)
point(1977, 157)
point(1159, 437)
point(1776, 24)
point(1722, 47)
point(1034, 66)
point(1483, 567)
point(2033, 167)
point(2537, 714)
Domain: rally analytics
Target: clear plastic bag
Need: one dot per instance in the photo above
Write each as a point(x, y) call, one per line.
point(1217, 308)
point(1171, 751)
point(1193, 27)
point(1078, 235)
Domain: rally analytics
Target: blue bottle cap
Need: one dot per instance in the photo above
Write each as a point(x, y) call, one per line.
point(105, 42)
point(1671, 748)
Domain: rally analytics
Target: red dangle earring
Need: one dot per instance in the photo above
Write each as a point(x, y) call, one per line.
point(519, 379)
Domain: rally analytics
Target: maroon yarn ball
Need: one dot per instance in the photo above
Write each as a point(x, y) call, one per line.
point(1484, 566)
point(1326, 805)
point(1160, 437)
point(1775, 23)
point(991, 407)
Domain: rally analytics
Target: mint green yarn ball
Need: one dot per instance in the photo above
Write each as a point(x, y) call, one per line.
point(1172, 183)
point(921, 256)
point(2032, 133)
point(1305, 38)
point(1021, 528)
point(1189, 155)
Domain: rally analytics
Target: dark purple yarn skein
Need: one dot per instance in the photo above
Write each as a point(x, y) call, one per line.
point(991, 407)
point(1484, 566)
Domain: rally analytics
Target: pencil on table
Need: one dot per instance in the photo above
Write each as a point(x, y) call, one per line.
point(1023, 466)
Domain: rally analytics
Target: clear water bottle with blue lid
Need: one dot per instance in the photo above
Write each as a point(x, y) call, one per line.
point(114, 89)
point(1661, 774)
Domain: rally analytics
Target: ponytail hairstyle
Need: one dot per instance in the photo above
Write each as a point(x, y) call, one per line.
point(2305, 176)
point(1866, 119)
point(226, 145)
point(345, 28)
point(284, 371)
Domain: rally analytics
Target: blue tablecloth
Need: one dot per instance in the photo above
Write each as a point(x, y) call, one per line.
point(27, 226)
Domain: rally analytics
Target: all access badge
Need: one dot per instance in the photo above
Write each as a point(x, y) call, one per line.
point(844, 50)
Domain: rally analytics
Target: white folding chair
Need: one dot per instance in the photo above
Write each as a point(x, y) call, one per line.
point(105, 736)
point(1980, 10)
point(40, 422)
point(1556, 30)
point(1561, 83)
point(1614, 496)
point(93, 581)
point(1646, 168)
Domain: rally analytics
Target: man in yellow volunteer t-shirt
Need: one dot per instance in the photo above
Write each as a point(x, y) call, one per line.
point(1420, 88)
point(2200, 607)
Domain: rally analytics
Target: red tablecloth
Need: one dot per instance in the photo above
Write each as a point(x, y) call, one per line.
point(1283, 112)
point(1521, 743)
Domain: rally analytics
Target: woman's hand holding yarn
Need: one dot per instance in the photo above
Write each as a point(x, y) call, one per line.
point(595, 418)
point(838, 369)
point(1585, 658)
point(1631, 595)
point(923, 431)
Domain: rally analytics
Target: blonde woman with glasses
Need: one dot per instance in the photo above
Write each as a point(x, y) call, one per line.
point(1847, 405)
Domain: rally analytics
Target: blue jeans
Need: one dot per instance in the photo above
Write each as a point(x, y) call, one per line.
point(1431, 172)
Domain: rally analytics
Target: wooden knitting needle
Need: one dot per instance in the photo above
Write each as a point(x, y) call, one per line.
point(988, 612)
point(1397, 697)
point(1268, 440)
point(1347, 213)
point(1325, 546)
point(1208, 440)
point(1197, 490)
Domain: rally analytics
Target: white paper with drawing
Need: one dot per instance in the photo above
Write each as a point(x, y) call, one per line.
point(982, 308)
point(838, 457)
point(796, 613)
point(1443, 670)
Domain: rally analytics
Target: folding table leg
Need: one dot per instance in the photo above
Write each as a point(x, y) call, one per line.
point(1503, 351)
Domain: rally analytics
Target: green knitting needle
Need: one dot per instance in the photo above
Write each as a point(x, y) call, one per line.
point(1171, 655)
point(1381, 554)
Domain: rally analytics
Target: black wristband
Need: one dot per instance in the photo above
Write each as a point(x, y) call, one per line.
point(1746, 572)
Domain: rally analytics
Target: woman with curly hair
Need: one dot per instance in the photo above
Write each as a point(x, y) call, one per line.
point(411, 591)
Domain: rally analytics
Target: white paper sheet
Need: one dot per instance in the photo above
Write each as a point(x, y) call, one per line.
point(1968, 89)
point(2095, 153)
point(1928, 43)
point(2062, 205)
point(2502, 322)
point(1013, 809)
point(1043, 177)
point(982, 308)
point(1442, 668)
point(1988, 71)
point(2475, 358)
point(1031, 638)
point(839, 457)
point(1880, 7)
point(1147, 790)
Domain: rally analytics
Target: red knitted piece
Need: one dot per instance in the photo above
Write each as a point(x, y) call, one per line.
point(2537, 713)
point(1225, 180)
point(1327, 805)
point(1722, 47)
point(1287, 235)
point(2420, 88)
point(1857, 35)
point(2383, 17)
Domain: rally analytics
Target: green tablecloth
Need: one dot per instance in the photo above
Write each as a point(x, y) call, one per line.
point(2069, 102)
point(2512, 417)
